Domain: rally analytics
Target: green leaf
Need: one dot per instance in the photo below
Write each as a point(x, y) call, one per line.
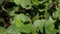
point(11, 12)
point(36, 17)
point(13, 29)
point(58, 11)
point(49, 26)
point(34, 29)
point(17, 21)
point(26, 28)
point(23, 18)
point(41, 10)
point(35, 2)
point(42, 1)
point(3, 31)
point(55, 14)
point(59, 30)
point(23, 3)
point(17, 2)
point(39, 23)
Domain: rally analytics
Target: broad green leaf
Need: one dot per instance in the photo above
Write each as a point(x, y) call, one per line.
point(17, 21)
point(13, 30)
point(26, 28)
point(49, 26)
point(39, 23)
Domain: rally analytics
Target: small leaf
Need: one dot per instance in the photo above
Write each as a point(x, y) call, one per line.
point(23, 3)
point(46, 15)
point(24, 18)
point(55, 14)
point(36, 17)
point(35, 2)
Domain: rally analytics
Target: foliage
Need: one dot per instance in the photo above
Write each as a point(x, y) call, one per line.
point(29, 16)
